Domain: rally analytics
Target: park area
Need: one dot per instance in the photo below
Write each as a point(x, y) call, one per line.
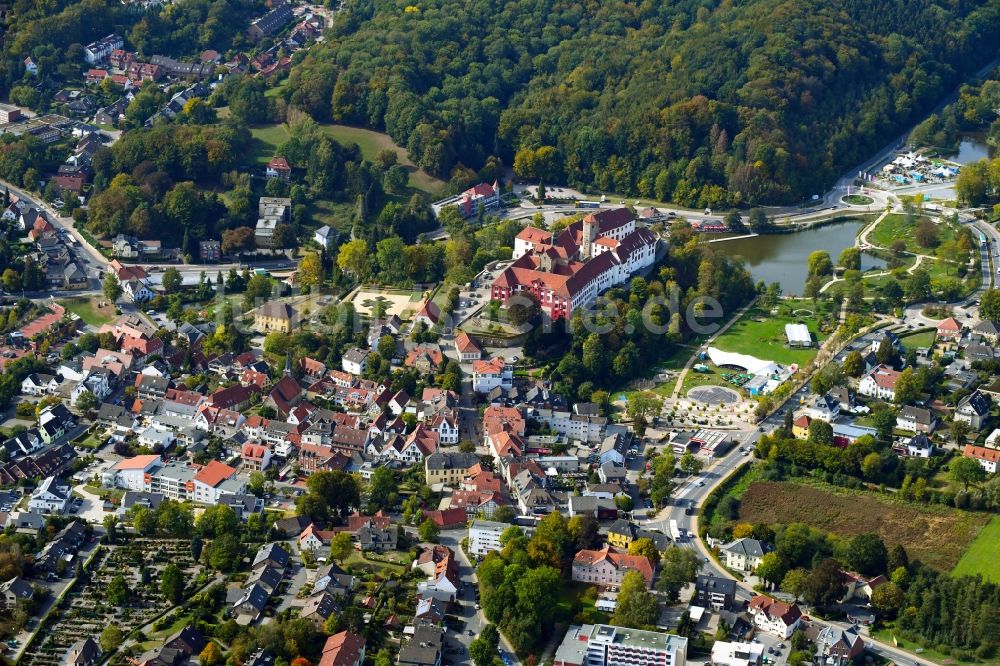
point(94, 311)
point(935, 535)
point(761, 333)
point(400, 302)
point(899, 226)
point(981, 556)
point(268, 138)
point(918, 339)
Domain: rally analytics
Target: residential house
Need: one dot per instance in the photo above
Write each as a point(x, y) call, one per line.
point(623, 533)
point(425, 647)
point(608, 567)
point(426, 358)
point(448, 468)
point(826, 408)
point(250, 604)
point(51, 496)
point(774, 617)
point(839, 647)
point(278, 168)
point(714, 592)
point(375, 533)
point(54, 422)
point(989, 331)
point(84, 652)
point(744, 554)
point(312, 538)
point(949, 330)
point(354, 361)
point(973, 409)
point(16, 590)
point(488, 375)
point(468, 349)
point(326, 237)
point(38, 384)
point(916, 419)
point(987, 458)
point(880, 383)
point(255, 457)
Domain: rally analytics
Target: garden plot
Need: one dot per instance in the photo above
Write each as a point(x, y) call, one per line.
point(86, 612)
point(395, 302)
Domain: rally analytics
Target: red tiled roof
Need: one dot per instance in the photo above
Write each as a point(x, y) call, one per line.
point(465, 344)
point(343, 649)
point(214, 473)
point(981, 453)
point(136, 462)
point(638, 563)
point(775, 609)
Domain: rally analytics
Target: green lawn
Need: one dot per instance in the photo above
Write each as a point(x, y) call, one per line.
point(896, 226)
point(917, 340)
point(87, 310)
point(266, 140)
point(981, 555)
point(358, 561)
point(576, 604)
point(762, 334)
point(858, 200)
point(925, 652)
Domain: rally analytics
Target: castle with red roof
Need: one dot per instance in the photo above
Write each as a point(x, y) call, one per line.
point(569, 269)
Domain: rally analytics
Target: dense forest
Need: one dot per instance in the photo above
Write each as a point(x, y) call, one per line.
point(699, 101)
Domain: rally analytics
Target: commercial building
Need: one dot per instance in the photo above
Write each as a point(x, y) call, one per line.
point(604, 645)
point(737, 654)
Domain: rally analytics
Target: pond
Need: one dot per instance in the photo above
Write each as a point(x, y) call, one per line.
point(972, 148)
point(782, 258)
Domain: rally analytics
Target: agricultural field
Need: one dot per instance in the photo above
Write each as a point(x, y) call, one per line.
point(981, 556)
point(761, 333)
point(936, 535)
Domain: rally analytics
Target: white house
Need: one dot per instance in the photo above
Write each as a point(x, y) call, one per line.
point(131, 473)
point(879, 383)
point(974, 409)
point(51, 496)
point(354, 361)
point(38, 384)
point(488, 375)
point(826, 408)
point(987, 458)
point(97, 382)
point(137, 291)
point(325, 237)
point(916, 419)
point(774, 617)
point(484, 536)
point(744, 554)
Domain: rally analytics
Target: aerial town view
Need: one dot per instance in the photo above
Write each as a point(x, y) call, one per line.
point(469, 333)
